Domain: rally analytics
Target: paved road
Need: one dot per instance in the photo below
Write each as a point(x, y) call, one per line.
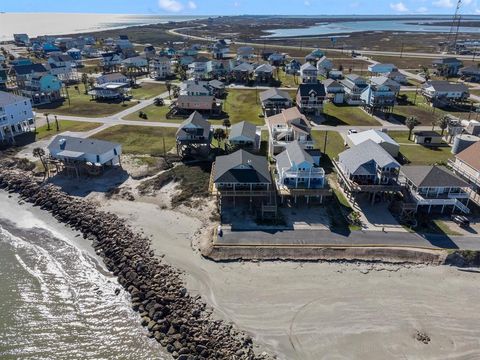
point(356, 238)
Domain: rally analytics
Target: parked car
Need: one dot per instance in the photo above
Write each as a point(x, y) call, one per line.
point(352, 131)
point(461, 220)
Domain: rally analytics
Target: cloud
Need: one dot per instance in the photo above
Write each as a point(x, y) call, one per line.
point(192, 5)
point(444, 3)
point(236, 4)
point(467, 2)
point(422, 9)
point(399, 7)
point(307, 3)
point(170, 5)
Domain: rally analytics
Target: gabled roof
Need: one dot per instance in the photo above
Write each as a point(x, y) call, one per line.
point(306, 89)
point(274, 93)
point(28, 69)
point(445, 86)
point(217, 84)
point(331, 83)
point(293, 154)
point(76, 144)
point(308, 66)
point(448, 60)
point(473, 69)
point(9, 98)
point(243, 67)
point(61, 58)
point(289, 116)
point(266, 68)
point(241, 167)
point(244, 129)
point(471, 156)
point(196, 119)
point(376, 136)
point(113, 77)
point(384, 81)
point(432, 176)
point(361, 159)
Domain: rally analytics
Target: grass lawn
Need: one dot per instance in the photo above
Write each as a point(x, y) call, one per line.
point(243, 105)
point(475, 92)
point(65, 125)
point(90, 66)
point(83, 105)
point(418, 154)
point(419, 107)
point(287, 80)
point(154, 113)
point(148, 90)
point(140, 139)
point(335, 142)
point(347, 115)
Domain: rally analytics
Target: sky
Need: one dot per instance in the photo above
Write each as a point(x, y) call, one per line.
point(240, 7)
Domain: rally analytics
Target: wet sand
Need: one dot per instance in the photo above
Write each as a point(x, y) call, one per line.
point(322, 310)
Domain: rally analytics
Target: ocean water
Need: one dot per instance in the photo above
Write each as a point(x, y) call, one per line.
point(35, 24)
point(386, 24)
point(57, 301)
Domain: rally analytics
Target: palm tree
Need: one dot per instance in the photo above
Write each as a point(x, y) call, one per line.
point(411, 122)
point(48, 121)
point(426, 72)
point(56, 123)
point(85, 82)
point(168, 85)
point(443, 123)
point(219, 135)
point(227, 124)
point(175, 91)
point(40, 153)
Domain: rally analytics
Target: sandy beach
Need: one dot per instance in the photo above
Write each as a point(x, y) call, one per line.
point(322, 310)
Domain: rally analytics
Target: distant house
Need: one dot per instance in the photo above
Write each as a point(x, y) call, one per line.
point(398, 77)
point(379, 137)
point(367, 167)
point(429, 138)
point(16, 116)
point(324, 66)
point(20, 74)
point(244, 135)
point(123, 42)
point(293, 67)
point(470, 73)
point(297, 169)
point(447, 66)
point(276, 59)
point(245, 52)
point(242, 72)
point(117, 78)
point(186, 60)
point(75, 54)
point(387, 82)
point(379, 96)
point(63, 67)
point(314, 56)
point(335, 74)
point(137, 63)
point(48, 48)
point(42, 89)
point(308, 74)
point(381, 69)
point(220, 49)
point(21, 39)
point(442, 93)
point(354, 86)
point(335, 91)
point(160, 68)
point(149, 51)
point(217, 87)
point(310, 98)
point(263, 73)
point(3, 78)
point(111, 60)
point(467, 166)
point(241, 175)
point(435, 188)
point(200, 69)
point(74, 149)
point(205, 104)
point(288, 126)
point(274, 101)
point(109, 91)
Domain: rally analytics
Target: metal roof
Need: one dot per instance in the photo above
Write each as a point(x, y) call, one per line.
point(81, 145)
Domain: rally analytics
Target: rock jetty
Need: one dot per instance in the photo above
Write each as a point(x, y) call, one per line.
point(182, 323)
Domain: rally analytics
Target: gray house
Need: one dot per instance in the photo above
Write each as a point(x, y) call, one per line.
point(193, 134)
point(367, 167)
point(244, 135)
point(274, 101)
point(447, 66)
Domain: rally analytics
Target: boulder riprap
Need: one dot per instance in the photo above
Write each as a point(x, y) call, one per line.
point(182, 323)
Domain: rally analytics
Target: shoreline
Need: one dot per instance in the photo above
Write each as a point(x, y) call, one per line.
point(179, 322)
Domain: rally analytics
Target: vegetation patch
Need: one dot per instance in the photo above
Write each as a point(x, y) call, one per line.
point(336, 115)
point(244, 105)
point(43, 132)
point(147, 90)
point(192, 183)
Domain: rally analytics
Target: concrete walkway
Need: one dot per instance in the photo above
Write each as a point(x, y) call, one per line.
point(356, 238)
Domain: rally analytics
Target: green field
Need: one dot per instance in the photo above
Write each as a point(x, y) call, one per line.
point(347, 115)
point(154, 113)
point(419, 154)
point(83, 105)
point(288, 80)
point(148, 90)
point(65, 125)
point(140, 139)
point(244, 105)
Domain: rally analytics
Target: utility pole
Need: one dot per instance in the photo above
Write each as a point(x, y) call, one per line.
point(325, 143)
